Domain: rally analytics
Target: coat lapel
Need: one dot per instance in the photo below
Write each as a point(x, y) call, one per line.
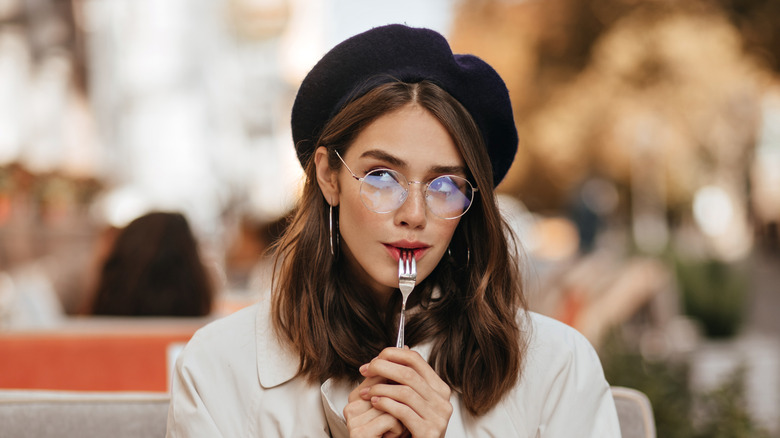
point(276, 362)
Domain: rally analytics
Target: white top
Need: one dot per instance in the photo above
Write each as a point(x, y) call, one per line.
point(234, 379)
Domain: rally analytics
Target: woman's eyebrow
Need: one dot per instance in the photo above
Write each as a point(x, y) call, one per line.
point(384, 156)
point(397, 162)
point(449, 170)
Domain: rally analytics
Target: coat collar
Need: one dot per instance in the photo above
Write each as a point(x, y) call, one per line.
point(276, 362)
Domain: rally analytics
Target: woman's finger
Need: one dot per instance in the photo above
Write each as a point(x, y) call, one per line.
point(426, 408)
point(366, 383)
point(428, 425)
point(415, 394)
point(371, 422)
point(409, 368)
point(363, 420)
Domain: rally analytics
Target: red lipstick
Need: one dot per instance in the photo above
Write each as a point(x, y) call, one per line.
point(418, 248)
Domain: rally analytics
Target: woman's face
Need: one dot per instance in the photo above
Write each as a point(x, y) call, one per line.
point(411, 141)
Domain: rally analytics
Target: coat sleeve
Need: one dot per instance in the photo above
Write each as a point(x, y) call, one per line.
point(188, 414)
point(214, 386)
point(577, 400)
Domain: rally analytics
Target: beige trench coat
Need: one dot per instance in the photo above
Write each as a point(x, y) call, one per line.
point(234, 379)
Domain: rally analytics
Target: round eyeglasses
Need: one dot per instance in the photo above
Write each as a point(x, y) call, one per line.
point(385, 190)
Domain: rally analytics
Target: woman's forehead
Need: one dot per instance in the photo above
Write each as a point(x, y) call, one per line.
point(407, 136)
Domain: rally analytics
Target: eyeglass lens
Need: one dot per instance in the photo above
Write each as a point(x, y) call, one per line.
point(385, 190)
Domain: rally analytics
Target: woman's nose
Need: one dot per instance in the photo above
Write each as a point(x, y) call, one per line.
point(413, 212)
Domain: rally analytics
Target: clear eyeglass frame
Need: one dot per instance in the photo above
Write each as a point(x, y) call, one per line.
point(397, 180)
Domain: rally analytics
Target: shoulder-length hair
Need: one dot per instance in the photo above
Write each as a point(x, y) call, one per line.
point(469, 304)
point(154, 268)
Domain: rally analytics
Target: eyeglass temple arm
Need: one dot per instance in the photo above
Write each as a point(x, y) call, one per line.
point(345, 165)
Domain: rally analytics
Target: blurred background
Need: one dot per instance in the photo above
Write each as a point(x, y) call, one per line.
point(646, 188)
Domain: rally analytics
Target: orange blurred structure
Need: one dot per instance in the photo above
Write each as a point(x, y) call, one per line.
point(94, 356)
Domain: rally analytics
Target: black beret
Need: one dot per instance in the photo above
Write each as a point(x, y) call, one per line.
point(410, 55)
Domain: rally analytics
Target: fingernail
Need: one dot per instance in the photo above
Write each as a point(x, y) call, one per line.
point(374, 400)
point(364, 392)
point(363, 368)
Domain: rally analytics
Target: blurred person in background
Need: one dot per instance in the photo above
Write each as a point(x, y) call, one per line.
point(403, 143)
point(153, 267)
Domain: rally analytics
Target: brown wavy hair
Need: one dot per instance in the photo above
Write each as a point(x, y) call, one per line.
point(320, 310)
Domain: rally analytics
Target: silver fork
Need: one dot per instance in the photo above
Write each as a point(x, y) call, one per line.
point(407, 277)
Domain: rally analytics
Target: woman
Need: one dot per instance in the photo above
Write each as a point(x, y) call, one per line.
point(402, 143)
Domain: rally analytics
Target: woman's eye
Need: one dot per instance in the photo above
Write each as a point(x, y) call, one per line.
point(383, 174)
point(442, 185)
point(384, 178)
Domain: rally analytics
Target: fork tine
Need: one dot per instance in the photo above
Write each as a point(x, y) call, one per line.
point(413, 271)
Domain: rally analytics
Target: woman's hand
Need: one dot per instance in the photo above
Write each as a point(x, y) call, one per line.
point(400, 382)
point(363, 420)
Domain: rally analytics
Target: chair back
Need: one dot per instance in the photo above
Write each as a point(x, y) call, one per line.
point(128, 414)
point(634, 413)
point(72, 414)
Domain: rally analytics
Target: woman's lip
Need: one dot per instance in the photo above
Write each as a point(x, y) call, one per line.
point(407, 244)
point(395, 250)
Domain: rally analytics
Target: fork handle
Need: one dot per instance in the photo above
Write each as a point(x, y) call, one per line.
point(399, 343)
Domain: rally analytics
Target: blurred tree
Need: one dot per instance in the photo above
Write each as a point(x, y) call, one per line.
point(591, 78)
point(664, 382)
point(713, 293)
point(722, 412)
point(757, 21)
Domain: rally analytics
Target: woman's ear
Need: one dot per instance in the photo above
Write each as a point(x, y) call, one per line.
point(327, 178)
